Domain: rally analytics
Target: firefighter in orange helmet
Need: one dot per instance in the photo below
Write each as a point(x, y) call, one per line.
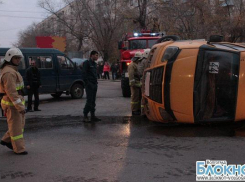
point(13, 103)
point(135, 84)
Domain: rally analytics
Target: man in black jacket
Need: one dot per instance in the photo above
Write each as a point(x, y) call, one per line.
point(33, 84)
point(91, 86)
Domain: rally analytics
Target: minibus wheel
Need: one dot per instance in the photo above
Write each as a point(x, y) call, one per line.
point(77, 91)
point(56, 95)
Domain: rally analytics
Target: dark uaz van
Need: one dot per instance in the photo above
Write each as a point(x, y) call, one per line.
point(58, 73)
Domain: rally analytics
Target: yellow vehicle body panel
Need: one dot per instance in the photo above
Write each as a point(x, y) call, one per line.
point(240, 110)
point(182, 83)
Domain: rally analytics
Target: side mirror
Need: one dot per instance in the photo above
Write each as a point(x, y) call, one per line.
point(216, 38)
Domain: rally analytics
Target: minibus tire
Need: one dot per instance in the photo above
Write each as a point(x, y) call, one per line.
point(125, 87)
point(56, 95)
point(77, 91)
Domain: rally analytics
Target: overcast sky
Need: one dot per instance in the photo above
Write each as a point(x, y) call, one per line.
point(17, 15)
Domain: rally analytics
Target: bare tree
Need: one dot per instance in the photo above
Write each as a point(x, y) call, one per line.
point(200, 19)
point(89, 23)
point(140, 13)
point(105, 21)
point(27, 38)
point(68, 22)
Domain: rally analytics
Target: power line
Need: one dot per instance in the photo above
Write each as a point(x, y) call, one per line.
point(22, 11)
point(20, 17)
point(10, 29)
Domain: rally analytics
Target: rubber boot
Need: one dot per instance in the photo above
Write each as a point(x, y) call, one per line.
point(9, 145)
point(135, 113)
point(22, 153)
point(94, 118)
point(86, 119)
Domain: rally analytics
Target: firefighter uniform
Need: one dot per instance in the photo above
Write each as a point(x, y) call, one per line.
point(142, 65)
point(13, 104)
point(135, 84)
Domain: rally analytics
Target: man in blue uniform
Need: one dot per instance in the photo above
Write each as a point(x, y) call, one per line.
point(91, 86)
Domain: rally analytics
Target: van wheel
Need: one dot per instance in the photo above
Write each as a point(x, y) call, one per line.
point(77, 91)
point(56, 95)
point(125, 87)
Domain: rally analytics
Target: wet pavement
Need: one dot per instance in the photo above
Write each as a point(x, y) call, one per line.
point(109, 102)
point(127, 149)
point(117, 149)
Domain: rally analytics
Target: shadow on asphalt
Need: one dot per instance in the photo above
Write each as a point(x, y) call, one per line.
point(60, 99)
point(136, 123)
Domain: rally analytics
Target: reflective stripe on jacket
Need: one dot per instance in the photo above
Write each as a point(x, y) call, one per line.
point(17, 137)
point(12, 103)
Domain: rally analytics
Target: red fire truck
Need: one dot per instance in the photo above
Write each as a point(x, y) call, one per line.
point(128, 46)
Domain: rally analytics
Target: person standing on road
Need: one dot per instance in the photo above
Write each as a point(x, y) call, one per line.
point(13, 103)
point(135, 84)
point(141, 67)
point(91, 86)
point(106, 71)
point(101, 66)
point(114, 69)
point(33, 83)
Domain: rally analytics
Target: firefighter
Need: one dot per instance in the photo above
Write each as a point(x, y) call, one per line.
point(13, 103)
point(141, 67)
point(135, 84)
point(144, 63)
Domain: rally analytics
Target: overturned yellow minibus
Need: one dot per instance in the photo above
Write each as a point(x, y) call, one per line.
point(195, 81)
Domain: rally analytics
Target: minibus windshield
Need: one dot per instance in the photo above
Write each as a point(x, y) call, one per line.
point(216, 83)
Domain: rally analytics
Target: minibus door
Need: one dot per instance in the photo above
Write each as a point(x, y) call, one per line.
point(66, 72)
point(216, 83)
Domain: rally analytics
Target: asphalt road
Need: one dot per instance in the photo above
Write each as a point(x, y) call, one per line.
point(109, 102)
point(120, 148)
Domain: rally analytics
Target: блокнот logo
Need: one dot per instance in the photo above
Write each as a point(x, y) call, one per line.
point(219, 170)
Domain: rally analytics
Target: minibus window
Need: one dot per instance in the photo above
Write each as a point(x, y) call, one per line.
point(22, 64)
point(169, 53)
point(216, 85)
point(151, 54)
point(1, 59)
point(42, 62)
point(65, 63)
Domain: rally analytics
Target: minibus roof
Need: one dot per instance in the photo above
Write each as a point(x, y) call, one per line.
point(195, 44)
point(34, 50)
